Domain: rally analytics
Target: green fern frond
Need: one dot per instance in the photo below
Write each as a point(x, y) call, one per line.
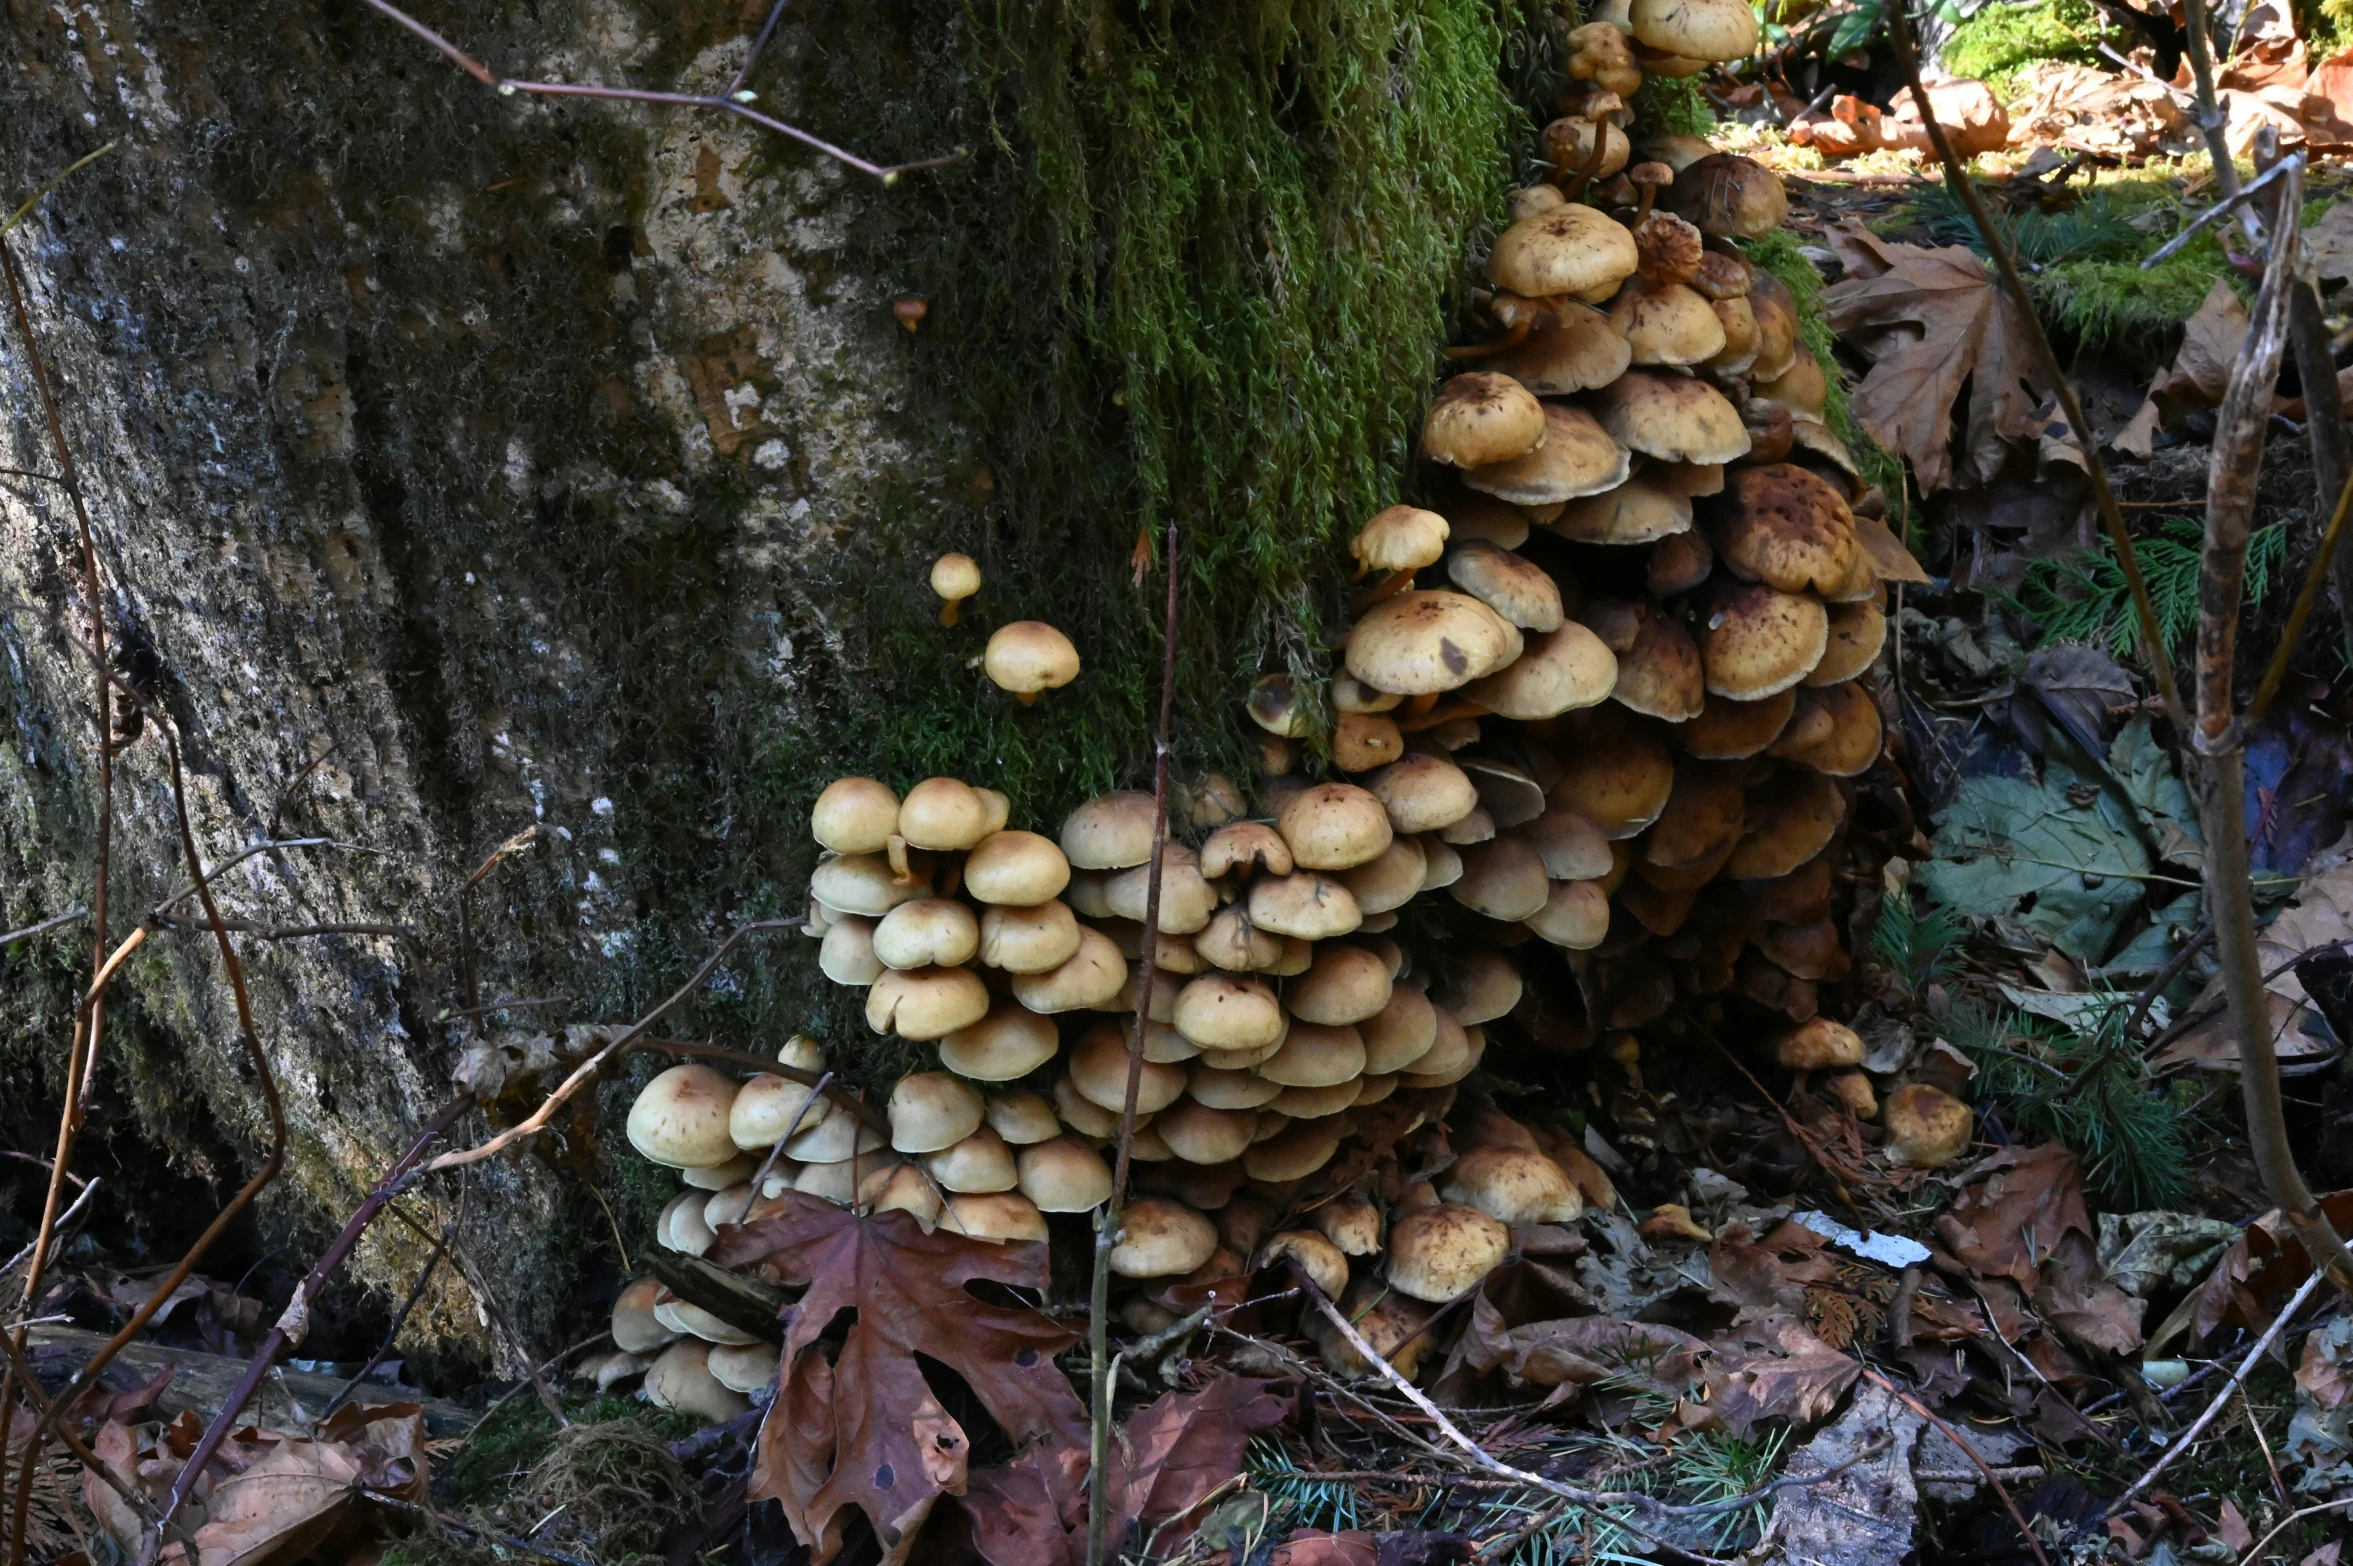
point(1919, 949)
point(2081, 596)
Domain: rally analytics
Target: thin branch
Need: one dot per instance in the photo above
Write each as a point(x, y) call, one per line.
point(399, 1320)
point(75, 916)
point(2212, 215)
point(2310, 594)
point(1968, 1448)
point(34, 200)
point(81, 1200)
point(2280, 1527)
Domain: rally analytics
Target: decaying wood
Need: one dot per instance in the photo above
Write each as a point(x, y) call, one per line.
point(202, 1383)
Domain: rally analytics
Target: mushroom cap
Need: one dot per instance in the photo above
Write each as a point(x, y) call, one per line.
point(1400, 1033)
point(1569, 143)
point(1351, 697)
point(1023, 1118)
point(1309, 906)
point(846, 954)
point(1802, 388)
point(1423, 793)
point(1028, 656)
point(1225, 1011)
point(1484, 517)
point(1790, 820)
point(1352, 1223)
point(1028, 940)
point(1482, 417)
point(1109, 832)
point(1221, 1088)
point(1672, 417)
point(1779, 337)
point(1199, 1134)
point(1242, 847)
point(1294, 1152)
point(1502, 878)
point(1757, 642)
point(635, 1330)
point(1578, 350)
point(1421, 643)
point(1314, 1055)
point(1618, 770)
point(1186, 897)
point(1400, 538)
point(1362, 741)
point(682, 1227)
point(1672, 250)
point(1016, 869)
point(1568, 844)
point(1334, 826)
point(926, 932)
point(943, 813)
point(1786, 527)
point(926, 1003)
point(1742, 339)
point(680, 1118)
point(1857, 632)
point(1482, 986)
point(1820, 1045)
point(1003, 1216)
point(1159, 1237)
point(838, 1180)
point(1571, 249)
point(768, 1105)
point(1579, 457)
point(1642, 510)
point(981, 1162)
point(1445, 864)
point(742, 1367)
point(854, 816)
point(1855, 737)
point(736, 1171)
point(1677, 564)
point(1728, 196)
point(1666, 323)
point(1927, 1128)
point(1325, 1264)
point(1560, 671)
point(1274, 705)
point(1512, 585)
point(1390, 879)
point(1704, 814)
point(1477, 827)
point(1513, 1185)
point(1659, 676)
point(1810, 951)
point(1443, 1251)
point(1575, 915)
point(1862, 583)
point(1010, 1042)
point(681, 1381)
point(1099, 1070)
point(1710, 30)
point(862, 884)
point(1346, 985)
point(1090, 979)
point(1728, 730)
point(833, 1139)
point(1064, 1176)
point(930, 1110)
point(955, 576)
point(1233, 943)
point(1452, 1052)
point(1851, 1091)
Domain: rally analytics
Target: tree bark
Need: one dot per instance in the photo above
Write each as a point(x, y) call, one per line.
point(459, 463)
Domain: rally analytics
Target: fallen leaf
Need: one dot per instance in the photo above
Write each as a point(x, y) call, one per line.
point(1773, 1367)
point(865, 1430)
point(1931, 320)
point(1168, 1457)
point(2253, 1277)
point(2144, 1252)
point(2320, 915)
point(2232, 1529)
point(1586, 1351)
point(1862, 1513)
point(2327, 1555)
point(2011, 1214)
point(2325, 1373)
point(1311, 1547)
point(1772, 1273)
point(2210, 341)
point(2068, 868)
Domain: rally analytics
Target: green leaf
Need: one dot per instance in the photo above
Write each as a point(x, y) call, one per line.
point(2145, 772)
point(2068, 871)
point(1854, 30)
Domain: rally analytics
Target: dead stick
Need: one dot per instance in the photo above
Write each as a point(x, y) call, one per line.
point(2332, 472)
point(2278, 672)
point(1967, 1450)
point(2238, 1377)
point(2046, 361)
point(1107, 1219)
point(2219, 738)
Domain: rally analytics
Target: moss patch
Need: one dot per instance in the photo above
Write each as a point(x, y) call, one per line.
point(2002, 40)
point(1778, 253)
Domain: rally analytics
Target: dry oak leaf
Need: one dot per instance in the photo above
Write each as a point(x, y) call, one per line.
point(1773, 1367)
point(854, 1422)
point(2320, 915)
point(2018, 1203)
point(1930, 320)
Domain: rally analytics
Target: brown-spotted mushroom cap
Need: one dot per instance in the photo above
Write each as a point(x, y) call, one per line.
point(1423, 793)
point(1677, 564)
point(1728, 730)
point(1791, 818)
point(1578, 350)
point(1558, 672)
point(854, 816)
point(1728, 196)
point(1597, 53)
point(680, 1118)
point(1673, 417)
point(1710, 30)
point(1028, 940)
point(1063, 1176)
point(1514, 586)
point(1783, 525)
point(1444, 1251)
point(1029, 656)
point(1639, 511)
point(1755, 642)
point(1482, 417)
point(1855, 738)
point(1109, 832)
point(1513, 1185)
point(1159, 1237)
point(1579, 457)
point(1019, 869)
point(1659, 675)
point(1503, 879)
point(1857, 632)
point(1334, 826)
point(1666, 323)
point(1007, 1044)
point(1422, 643)
point(1927, 1128)
point(1819, 1045)
point(1568, 250)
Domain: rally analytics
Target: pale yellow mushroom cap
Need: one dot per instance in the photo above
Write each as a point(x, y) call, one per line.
point(680, 1118)
point(1443, 1251)
point(930, 1110)
point(955, 577)
point(1028, 656)
point(1064, 1176)
point(854, 816)
point(1160, 1237)
point(1402, 538)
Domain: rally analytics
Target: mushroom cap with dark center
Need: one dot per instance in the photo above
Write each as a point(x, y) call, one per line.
point(1659, 675)
point(1857, 632)
point(1666, 323)
point(1274, 704)
point(1728, 730)
point(1578, 457)
point(1728, 196)
point(1401, 538)
point(1559, 672)
point(1721, 276)
point(1704, 814)
point(1790, 819)
point(1617, 769)
point(1422, 643)
point(1677, 564)
point(1579, 351)
point(1640, 511)
point(1568, 250)
point(1028, 656)
point(1482, 417)
point(1514, 586)
point(1784, 526)
point(1756, 642)
point(1672, 417)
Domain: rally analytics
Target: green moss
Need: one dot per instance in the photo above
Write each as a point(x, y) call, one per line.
point(2001, 40)
point(1778, 253)
point(1673, 105)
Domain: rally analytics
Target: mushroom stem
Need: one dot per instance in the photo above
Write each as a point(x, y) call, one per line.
point(895, 847)
point(951, 875)
point(1027, 698)
point(948, 611)
point(1437, 715)
point(1394, 583)
point(1415, 706)
point(1513, 336)
point(1642, 203)
point(1573, 188)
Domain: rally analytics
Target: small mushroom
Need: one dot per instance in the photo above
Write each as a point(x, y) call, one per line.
point(1672, 1221)
point(954, 577)
point(1482, 417)
point(854, 816)
point(680, 1118)
point(1029, 656)
point(1927, 1128)
point(909, 310)
point(1064, 1176)
point(1159, 1237)
point(681, 1381)
point(930, 1110)
point(1324, 1263)
point(1442, 1252)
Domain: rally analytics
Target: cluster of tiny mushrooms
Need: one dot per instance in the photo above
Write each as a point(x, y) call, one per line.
point(1636, 747)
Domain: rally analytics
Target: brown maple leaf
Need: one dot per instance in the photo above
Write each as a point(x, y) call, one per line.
point(1930, 320)
point(854, 1422)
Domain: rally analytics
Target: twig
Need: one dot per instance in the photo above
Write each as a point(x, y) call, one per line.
point(499, 855)
point(75, 916)
point(768, 1163)
point(1107, 1218)
point(399, 1320)
point(507, 87)
point(504, 1005)
point(487, 1298)
point(2046, 362)
point(2212, 115)
point(2212, 215)
point(2166, 975)
point(1968, 1449)
point(35, 199)
point(2278, 672)
point(64, 1218)
point(2222, 1399)
point(293, 1324)
point(2280, 1527)
point(2147, 75)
